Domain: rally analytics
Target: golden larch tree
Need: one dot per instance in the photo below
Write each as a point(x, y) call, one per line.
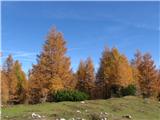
point(4, 88)
point(148, 76)
point(158, 85)
point(80, 76)
point(90, 77)
point(114, 71)
point(86, 76)
point(14, 82)
point(9, 79)
point(52, 71)
point(22, 83)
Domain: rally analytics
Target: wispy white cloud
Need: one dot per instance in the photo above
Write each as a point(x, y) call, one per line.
point(29, 56)
point(31, 60)
point(72, 49)
point(20, 55)
point(98, 17)
point(25, 55)
point(137, 25)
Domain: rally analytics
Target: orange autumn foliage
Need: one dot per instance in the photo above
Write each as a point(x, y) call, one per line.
point(52, 71)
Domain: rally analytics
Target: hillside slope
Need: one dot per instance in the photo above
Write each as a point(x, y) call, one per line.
point(112, 109)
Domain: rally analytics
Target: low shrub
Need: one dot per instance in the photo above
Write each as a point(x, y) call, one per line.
point(115, 91)
point(70, 95)
point(129, 90)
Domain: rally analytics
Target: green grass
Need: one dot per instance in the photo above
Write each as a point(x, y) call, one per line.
point(115, 107)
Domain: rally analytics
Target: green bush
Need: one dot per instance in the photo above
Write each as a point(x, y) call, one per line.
point(129, 90)
point(70, 95)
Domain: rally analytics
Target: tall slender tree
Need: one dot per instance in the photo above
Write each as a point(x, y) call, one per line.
point(14, 82)
point(135, 63)
point(114, 71)
point(148, 76)
point(22, 85)
point(90, 77)
point(9, 79)
point(86, 76)
point(52, 71)
point(145, 74)
point(4, 88)
point(81, 76)
point(158, 84)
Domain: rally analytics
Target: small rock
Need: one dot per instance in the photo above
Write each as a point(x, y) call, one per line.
point(78, 111)
point(127, 116)
point(38, 116)
point(78, 118)
point(34, 115)
point(105, 113)
point(82, 102)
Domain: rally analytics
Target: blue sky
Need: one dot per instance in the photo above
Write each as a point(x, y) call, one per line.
point(87, 27)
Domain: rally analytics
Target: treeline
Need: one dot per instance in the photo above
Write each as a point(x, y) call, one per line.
point(53, 73)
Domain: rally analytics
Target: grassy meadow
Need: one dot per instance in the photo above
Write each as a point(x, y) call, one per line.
point(112, 109)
